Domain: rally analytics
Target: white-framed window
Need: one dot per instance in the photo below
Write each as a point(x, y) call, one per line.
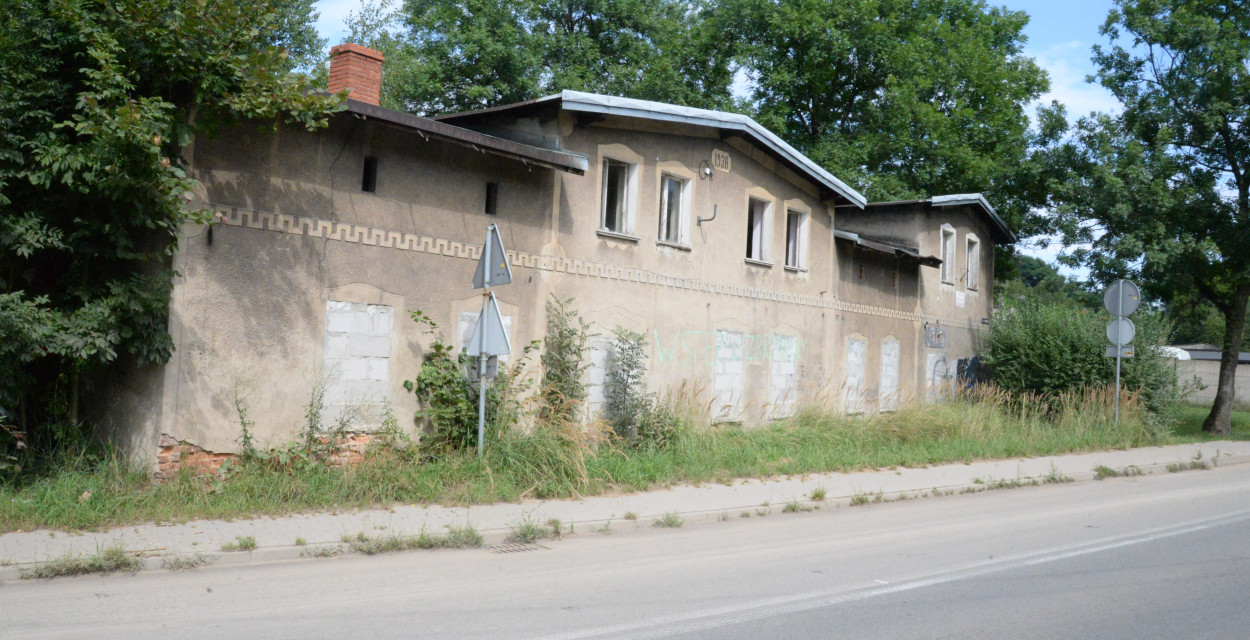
point(796, 239)
point(616, 196)
point(674, 209)
point(948, 253)
point(759, 215)
point(973, 251)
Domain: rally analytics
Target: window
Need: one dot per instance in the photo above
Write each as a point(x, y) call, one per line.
point(492, 198)
point(369, 177)
point(887, 394)
point(757, 229)
point(973, 261)
point(948, 253)
point(728, 381)
point(357, 359)
point(796, 239)
point(672, 209)
point(616, 190)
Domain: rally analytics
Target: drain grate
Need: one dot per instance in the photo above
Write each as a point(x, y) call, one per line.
point(514, 547)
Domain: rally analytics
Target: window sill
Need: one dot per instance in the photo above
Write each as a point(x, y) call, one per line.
point(672, 245)
point(793, 269)
point(758, 263)
point(618, 236)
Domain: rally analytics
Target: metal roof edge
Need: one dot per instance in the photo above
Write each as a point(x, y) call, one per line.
point(630, 107)
point(957, 199)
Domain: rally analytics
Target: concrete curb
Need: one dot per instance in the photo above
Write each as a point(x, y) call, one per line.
point(159, 545)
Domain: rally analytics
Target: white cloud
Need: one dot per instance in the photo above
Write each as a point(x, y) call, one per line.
point(1068, 64)
point(331, 23)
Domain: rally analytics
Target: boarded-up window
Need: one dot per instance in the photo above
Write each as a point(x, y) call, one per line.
point(937, 376)
point(784, 378)
point(888, 392)
point(357, 362)
point(597, 375)
point(856, 367)
point(727, 382)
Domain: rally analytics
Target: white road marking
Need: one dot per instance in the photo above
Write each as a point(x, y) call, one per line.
point(693, 621)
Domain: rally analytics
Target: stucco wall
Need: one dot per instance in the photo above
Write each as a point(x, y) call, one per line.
point(294, 233)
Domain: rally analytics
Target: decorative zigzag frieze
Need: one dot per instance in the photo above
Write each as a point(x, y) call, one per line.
point(387, 239)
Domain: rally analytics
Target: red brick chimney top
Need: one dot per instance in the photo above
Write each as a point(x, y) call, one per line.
point(357, 70)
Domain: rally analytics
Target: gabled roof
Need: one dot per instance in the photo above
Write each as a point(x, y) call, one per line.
point(744, 126)
point(975, 199)
point(553, 158)
point(978, 200)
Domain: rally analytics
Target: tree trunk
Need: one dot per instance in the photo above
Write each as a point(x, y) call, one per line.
point(1219, 421)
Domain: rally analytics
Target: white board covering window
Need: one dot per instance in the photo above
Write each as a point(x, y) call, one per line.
point(784, 375)
point(356, 362)
point(727, 380)
point(948, 253)
point(673, 209)
point(856, 368)
point(887, 399)
point(758, 213)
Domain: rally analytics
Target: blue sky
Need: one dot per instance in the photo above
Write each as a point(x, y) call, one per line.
point(1060, 35)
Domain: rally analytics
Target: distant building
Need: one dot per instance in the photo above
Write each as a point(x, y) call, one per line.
point(1203, 367)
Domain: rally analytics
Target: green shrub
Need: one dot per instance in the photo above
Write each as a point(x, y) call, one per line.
point(626, 400)
point(563, 360)
point(1050, 349)
point(449, 400)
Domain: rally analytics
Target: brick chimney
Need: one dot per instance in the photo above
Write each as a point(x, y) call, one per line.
point(356, 69)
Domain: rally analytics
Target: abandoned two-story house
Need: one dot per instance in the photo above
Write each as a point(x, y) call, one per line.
point(756, 276)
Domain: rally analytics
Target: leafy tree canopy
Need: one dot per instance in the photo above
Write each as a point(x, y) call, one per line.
point(97, 101)
point(1161, 192)
point(457, 55)
point(904, 98)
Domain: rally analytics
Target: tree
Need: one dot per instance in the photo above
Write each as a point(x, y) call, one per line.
point(903, 98)
point(96, 104)
point(294, 28)
point(1161, 192)
point(473, 54)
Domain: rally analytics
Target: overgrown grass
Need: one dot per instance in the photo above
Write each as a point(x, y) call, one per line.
point(1189, 419)
point(567, 460)
point(109, 560)
point(456, 538)
point(240, 543)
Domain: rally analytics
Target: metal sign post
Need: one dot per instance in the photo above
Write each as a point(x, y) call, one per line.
point(1121, 299)
point(489, 338)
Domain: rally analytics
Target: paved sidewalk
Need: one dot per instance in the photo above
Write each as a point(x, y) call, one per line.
point(276, 537)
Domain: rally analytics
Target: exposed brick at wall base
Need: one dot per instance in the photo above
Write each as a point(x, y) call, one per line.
point(175, 455)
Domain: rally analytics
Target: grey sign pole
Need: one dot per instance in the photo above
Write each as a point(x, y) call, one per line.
point(1121, 299)
point(489, 338)
point(481, 357)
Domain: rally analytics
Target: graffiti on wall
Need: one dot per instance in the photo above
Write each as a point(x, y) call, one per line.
point(692, 347)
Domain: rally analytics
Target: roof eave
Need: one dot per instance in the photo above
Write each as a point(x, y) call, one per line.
point(575, 163)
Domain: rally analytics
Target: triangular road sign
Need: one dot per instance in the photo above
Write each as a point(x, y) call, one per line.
point(493, 263)
point(489, 336)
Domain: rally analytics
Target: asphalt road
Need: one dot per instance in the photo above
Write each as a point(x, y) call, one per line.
point(1159, 556)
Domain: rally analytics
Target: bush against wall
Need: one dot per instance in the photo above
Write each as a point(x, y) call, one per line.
point(564, 361)
point(449, 400)
point(626, 400)
point(1049, 349)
